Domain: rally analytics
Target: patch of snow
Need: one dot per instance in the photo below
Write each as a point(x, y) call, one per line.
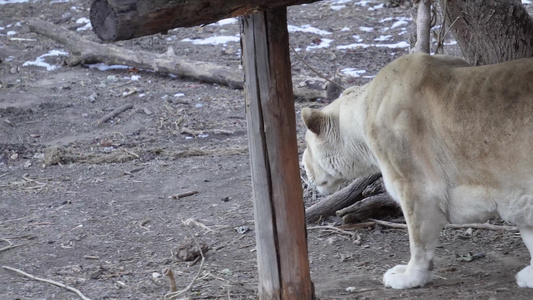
point(337, 7)
point(383, 38)
point(450, 43)
point(345, 29)
point(104, 67)
point(337, 2)
point(223, 22)
point(376, 7)
point(85, 21)
point(39, 61)
point(12, 1)
point(357, 38)
point(366, 29)
point(362, 3)
point(399, 23)
point(214, 40)
point(353, 72)
point(324, 43)
point(307, 28)
point(401, 44)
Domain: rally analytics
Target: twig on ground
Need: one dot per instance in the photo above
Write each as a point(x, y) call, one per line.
point(485, 226)
point(131, 153)
point(59, 284)
point(389, 224)
point(333, 228)
point(142, 223)
point(183, 195)
point(10, 246)
point(114, 113)
point(92, 257)
point(172, 280)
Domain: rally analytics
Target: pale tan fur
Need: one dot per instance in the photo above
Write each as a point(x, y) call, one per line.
point(454, 144)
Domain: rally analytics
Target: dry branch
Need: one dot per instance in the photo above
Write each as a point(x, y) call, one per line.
point(184, 194)
point(9, 246)
point(91, 52)
point(59, 284)
point(341, 199)
point(88, 52)
point(381, 205)
point(485, 226)
point(117, 111)
point(423, 26)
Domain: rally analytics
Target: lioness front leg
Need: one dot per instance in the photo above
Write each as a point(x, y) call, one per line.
point(424, 222)
point(524, 278)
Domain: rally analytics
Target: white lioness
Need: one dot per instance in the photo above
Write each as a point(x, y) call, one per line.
point(454, 144)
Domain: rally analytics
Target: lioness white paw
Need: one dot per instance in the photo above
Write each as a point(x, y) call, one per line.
point(524, 278)
point(399, 278)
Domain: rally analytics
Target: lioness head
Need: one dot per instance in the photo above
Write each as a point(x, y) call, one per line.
point(336, 152)
point(321, 138)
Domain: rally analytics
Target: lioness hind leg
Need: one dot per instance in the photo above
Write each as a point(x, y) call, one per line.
point(424, 221)
point(524, 278)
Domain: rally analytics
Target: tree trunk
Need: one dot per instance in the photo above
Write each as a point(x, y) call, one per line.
point(490, 31)
point(115, 20)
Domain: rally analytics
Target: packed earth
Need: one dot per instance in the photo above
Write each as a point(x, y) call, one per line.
point(108, 206)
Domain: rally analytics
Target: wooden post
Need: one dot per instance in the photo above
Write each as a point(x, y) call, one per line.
point(278, 207)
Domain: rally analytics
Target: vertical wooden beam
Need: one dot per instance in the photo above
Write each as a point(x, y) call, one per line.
point(278, 207)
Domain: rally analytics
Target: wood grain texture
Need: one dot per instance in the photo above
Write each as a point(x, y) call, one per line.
point(278, 206)
point(115, 20)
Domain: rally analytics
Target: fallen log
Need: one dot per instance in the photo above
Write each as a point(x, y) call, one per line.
point(90, 52)
point(341, 199)
point(87, 52)
point(376, 206)
point(115, 20)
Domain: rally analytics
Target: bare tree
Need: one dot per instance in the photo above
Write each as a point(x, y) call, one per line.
point(490, 31)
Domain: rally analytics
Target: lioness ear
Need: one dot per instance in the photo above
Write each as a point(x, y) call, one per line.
point(314, 119)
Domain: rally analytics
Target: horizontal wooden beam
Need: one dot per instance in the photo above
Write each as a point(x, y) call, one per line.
point(115, 20)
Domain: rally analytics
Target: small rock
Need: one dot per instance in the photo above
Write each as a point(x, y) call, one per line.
point(147, 111)
point(242, 229)
point(14, 156)
point(93, 97)
point(85, 115)
point(225, 199)
point(13, 70)
point(227, 272)
point(156, 275)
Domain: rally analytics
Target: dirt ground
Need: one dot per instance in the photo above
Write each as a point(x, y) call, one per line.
point(91, 205)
